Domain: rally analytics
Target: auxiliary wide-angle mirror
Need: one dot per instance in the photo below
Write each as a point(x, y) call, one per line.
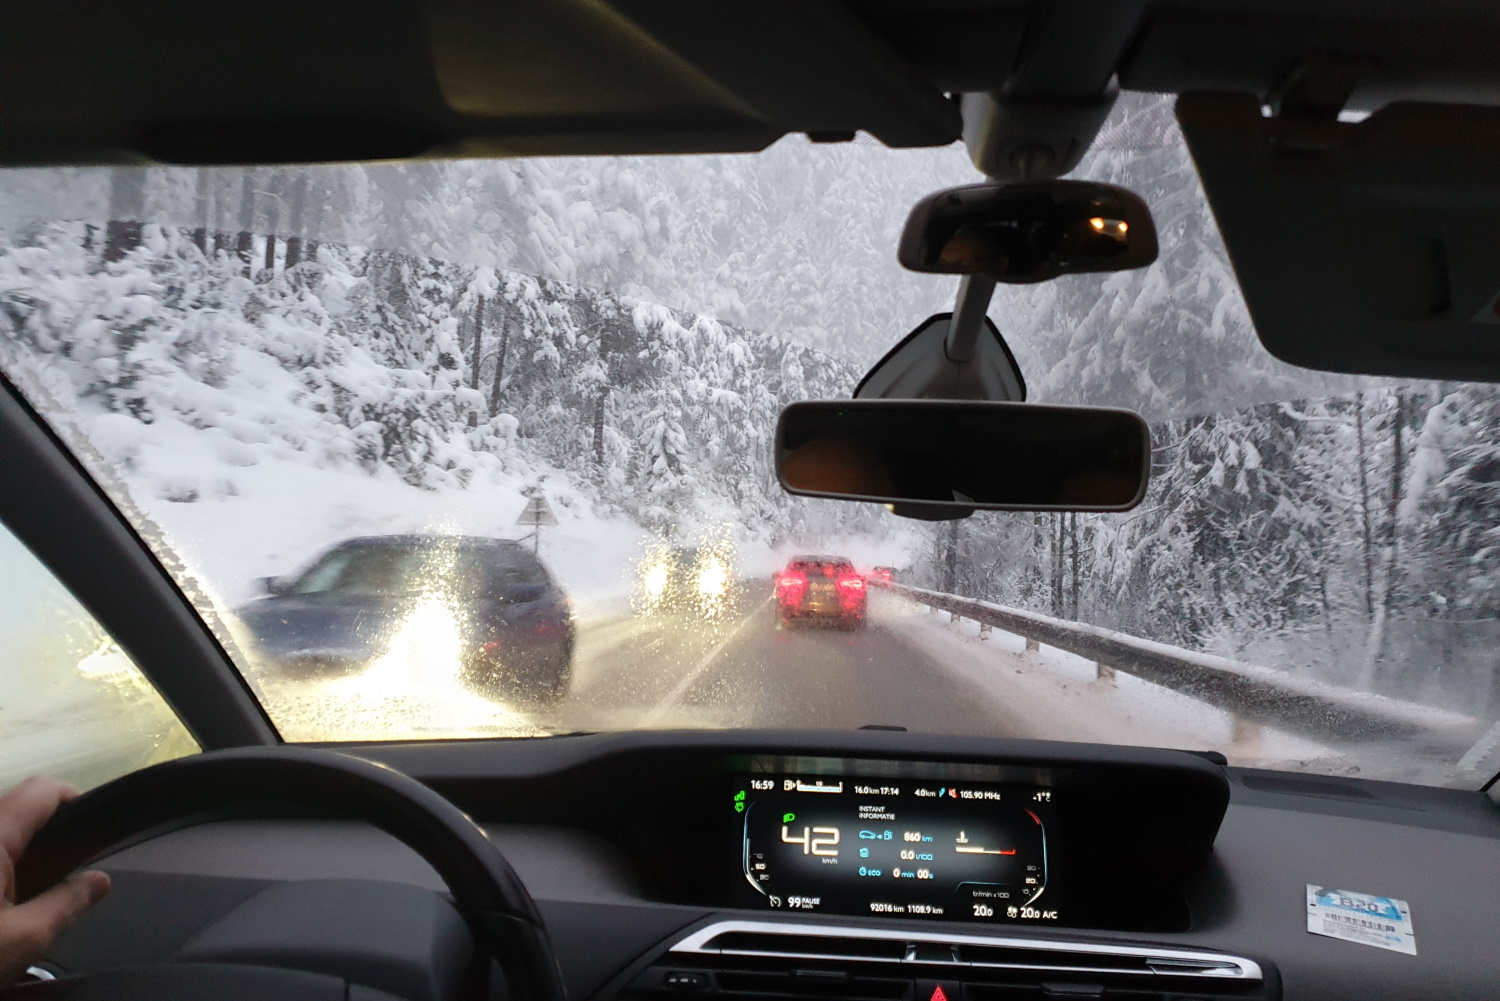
point(1028, 232)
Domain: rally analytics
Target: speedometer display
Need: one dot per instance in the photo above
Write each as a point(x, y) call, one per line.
point(851, 846)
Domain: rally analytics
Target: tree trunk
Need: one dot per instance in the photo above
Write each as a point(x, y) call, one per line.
point(273, 222)
point(1323, 597)
point(1037, 523)
point(950, 564)
point(1393, 553)
point(1073, 541)
point(219, 223)
point(1379, 626)
point(1364, 506)
point(495, 384)
point(127, 204)
point(200, 210)
point(599, 406)
point(294, 223)
point(244, 243)
point(1057, 565)
point(477, 354)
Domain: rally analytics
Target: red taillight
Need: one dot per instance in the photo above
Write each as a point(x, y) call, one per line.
point(851, 583)
point(790, 587)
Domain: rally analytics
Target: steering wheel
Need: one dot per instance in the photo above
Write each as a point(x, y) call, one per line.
point(303, 783)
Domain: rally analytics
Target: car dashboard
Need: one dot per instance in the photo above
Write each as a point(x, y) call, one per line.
point(870, 866)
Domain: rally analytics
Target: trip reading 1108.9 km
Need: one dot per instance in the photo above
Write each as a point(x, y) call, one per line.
point(856, 846)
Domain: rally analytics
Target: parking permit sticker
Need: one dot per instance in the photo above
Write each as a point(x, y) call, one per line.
point(1383, 922)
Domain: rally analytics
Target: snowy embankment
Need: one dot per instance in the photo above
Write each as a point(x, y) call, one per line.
point(256, 424)
point(237, 494)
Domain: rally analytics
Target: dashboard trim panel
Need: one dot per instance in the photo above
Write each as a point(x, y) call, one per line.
point(1158, 961)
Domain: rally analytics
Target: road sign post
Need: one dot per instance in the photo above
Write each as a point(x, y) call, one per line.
point(535, 514)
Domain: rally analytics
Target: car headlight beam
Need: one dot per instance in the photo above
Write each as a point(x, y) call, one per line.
point(654, 580)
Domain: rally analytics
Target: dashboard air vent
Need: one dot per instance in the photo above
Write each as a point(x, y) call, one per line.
point(767, 940)
point(784, 943)
point(796, 961)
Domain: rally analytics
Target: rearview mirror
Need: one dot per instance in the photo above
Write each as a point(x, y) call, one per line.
point(956, 456)
point(1029, 232)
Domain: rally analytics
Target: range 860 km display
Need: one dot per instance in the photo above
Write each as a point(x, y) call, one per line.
point(926, 849)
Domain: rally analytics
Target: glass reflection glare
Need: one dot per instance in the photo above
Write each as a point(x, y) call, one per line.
point(416, 686)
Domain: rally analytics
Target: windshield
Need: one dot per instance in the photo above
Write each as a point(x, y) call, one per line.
point(298, 382)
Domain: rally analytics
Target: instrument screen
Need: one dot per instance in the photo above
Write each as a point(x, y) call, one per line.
point(844, 845)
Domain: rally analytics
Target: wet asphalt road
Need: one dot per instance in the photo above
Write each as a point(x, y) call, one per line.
point(745, 670)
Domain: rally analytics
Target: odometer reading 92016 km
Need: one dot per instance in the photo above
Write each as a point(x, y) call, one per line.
point(854, 846)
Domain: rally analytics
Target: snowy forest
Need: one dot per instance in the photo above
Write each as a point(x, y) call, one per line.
point(621, 333)
point(436, 372)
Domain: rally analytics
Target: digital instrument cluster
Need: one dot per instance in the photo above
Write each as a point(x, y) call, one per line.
point(955, 851)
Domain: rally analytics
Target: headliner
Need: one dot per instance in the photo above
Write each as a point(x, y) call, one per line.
point(179, 81)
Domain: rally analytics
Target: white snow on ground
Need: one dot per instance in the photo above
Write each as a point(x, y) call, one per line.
point(1058, 696)
point(285, 513)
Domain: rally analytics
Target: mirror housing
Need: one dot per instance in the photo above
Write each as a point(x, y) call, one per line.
point(919, 367)
point(1028, 232)
point(941, 459)
point(274, 586)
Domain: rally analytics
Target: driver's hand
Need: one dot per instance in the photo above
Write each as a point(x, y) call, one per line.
point(27, 930)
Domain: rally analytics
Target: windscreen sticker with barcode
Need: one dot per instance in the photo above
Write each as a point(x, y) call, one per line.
point(1383, 922)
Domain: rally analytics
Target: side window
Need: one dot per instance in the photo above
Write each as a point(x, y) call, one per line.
point(516, 566)
point(72, 704)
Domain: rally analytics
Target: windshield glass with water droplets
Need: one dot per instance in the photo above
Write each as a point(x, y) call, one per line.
point(482, 449)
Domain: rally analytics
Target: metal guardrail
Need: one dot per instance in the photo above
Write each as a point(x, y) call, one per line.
point(1251, 693)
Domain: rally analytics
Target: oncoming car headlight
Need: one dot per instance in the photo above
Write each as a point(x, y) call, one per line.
point(654, 580)
point(712, 578)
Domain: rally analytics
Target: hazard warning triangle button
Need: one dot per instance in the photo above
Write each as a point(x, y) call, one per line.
point(938, 990)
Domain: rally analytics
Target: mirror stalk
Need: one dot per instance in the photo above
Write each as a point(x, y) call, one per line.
point(974, 292)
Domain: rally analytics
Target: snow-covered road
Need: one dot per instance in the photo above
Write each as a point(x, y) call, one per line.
point(907, 668)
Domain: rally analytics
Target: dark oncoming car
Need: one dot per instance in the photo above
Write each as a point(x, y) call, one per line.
point(823, 589)
point(696, 581)
point(490, 602)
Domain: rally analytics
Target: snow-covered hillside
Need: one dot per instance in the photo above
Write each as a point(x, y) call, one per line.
point(366, 392)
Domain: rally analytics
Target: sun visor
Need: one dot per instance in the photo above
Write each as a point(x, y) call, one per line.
point(1370, 247)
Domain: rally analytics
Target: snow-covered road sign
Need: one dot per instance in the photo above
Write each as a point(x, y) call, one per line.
point(537, 512)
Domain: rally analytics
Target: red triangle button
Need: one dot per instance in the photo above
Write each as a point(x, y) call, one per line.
point(938, 994)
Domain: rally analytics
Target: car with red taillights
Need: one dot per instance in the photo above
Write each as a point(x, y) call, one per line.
point(823, 589)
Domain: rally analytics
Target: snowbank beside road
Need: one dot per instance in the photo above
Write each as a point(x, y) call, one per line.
point(1059, 698)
